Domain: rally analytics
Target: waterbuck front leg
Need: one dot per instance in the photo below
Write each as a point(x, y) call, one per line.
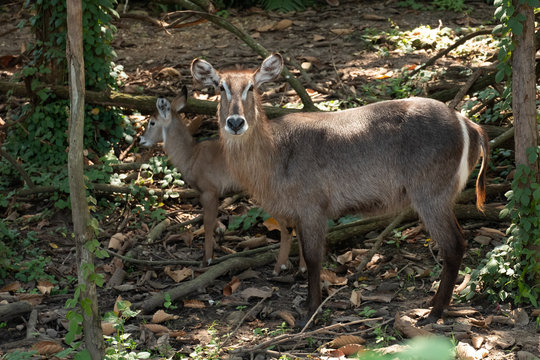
point(285, 248)
point(209, 201)
point(312, 231)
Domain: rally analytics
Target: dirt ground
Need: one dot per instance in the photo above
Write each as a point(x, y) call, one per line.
point(340, 62)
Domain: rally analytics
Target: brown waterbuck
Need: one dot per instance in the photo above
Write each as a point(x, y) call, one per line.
point(203, 166)
point(378, 158)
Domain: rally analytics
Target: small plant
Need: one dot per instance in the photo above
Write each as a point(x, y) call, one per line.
point(245, 222)
point(367, 312)
point(282, 329)
point(168, 302)
point(382, 337)
point(121, 345)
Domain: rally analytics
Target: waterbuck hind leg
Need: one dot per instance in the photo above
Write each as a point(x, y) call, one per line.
point(452, 246)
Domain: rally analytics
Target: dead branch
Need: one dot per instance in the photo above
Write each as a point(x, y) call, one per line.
point(232, 265)
point(465, 88)
point(378, 241)
point(12, 310)
point(299, 336)
point(143, 103)
point(153, 263)
point(342, 233)
point(444, 52)
point(248, 40)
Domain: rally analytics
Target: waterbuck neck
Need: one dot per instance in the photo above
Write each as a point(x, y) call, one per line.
point(179, 144)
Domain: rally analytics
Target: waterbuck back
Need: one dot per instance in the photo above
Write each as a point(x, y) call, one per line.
point(378, 158)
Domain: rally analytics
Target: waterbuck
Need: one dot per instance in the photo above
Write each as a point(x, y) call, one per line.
point(379, 158)
point(203, 166)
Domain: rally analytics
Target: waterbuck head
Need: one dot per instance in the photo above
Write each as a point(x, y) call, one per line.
point(240, 104)
point(158, 123)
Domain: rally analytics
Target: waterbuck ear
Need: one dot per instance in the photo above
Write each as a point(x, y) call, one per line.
point(164, 109)
point(180, 101)
point(204, 73)
point(269, 70)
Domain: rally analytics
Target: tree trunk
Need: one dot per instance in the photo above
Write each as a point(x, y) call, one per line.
point(93, 336)
point(524, 88)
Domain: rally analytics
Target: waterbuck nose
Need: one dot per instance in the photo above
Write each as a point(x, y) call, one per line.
point(236, 122)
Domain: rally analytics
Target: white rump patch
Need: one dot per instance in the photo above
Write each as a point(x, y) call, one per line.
point(463, 170)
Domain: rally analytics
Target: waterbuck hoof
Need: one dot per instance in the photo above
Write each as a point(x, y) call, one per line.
point(430, 319)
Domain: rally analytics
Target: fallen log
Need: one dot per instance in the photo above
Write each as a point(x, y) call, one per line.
point(231, 265)
point(144, 103)
point(12, 310)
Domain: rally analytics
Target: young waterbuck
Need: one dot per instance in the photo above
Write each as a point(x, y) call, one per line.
point(378, 158)
point(203, 166)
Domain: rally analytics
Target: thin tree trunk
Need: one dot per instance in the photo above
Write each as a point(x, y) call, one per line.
point(93, 336)
point(524, 88)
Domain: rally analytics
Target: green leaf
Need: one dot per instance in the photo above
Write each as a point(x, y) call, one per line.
point(83, 355)
point(499, 76)
point(516, 26)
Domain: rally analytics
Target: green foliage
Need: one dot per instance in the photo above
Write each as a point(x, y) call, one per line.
point(432, 348)
point(22, 259)
point(453, 5)
point(511, 272)
point(270, 5)
point(121, 346)
point(245, 222)
point(41, 140)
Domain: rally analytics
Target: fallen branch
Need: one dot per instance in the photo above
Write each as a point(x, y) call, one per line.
point(444, 52)
point(143, 103)
point(232, 265)
point(12, 310)
point(299, 336)
point(465, 89)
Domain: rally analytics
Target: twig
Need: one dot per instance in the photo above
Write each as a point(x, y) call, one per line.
point(465, 88)
point(288, 337)
point(379, 239)
point(242, 321)
point(508, 134)
point(258, 48)
point(18, 167)
point(444, 52)
point(153, 263)
point(319, 309)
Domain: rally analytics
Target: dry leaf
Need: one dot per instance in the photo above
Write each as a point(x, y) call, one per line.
point(342, 31)
point(178, 275)
point(356, 298)
point(331, 278)
point(170, 72)
point(283, 24)
point(177, 334)
point(253, 242)
point(346, 340)
point(231, 286)
point(107, 328)
point(265, 28)
point(373, 17)
point(11, 287)
point(157, 329)
point(255, 292)
point(389, 274)
point(403, 324)
point(33, 299)
point(318, 37)
point(351, 349)
point(286, 316)
point(45, 287)
point(385, 297)
point(47, 347)
point(116, 241)
point(271, 224)
point(194, 304)
point(161, 316)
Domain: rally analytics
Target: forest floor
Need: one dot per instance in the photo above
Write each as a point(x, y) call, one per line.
point(351, 51)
